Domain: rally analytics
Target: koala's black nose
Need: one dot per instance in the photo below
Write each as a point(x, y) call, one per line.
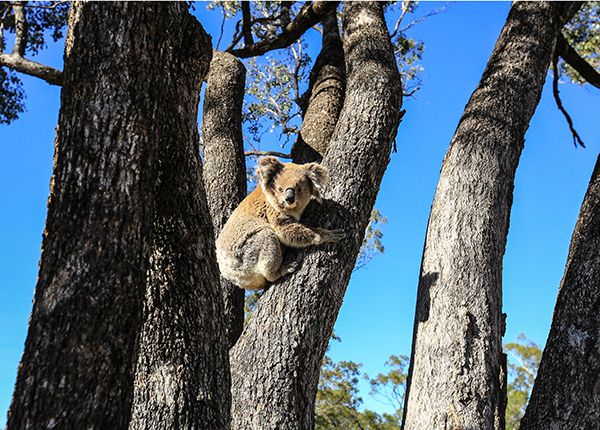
point(290, 195)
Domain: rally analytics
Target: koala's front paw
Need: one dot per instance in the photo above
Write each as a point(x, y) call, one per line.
point(331, 235)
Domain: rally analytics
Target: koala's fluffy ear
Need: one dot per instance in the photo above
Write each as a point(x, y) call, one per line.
point(319, 178)
point(268, 168)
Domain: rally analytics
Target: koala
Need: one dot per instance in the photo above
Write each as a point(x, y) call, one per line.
point(251, 246)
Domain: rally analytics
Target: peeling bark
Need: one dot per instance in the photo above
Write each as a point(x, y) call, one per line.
point(323, 101)
point(455, 377)
point(276, 362)
point(128, 241)
point(566, 393)
point(224, 163)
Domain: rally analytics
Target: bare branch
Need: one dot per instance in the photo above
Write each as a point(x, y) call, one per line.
point(16, 60)
point(397, 25)
point(32, 68)
point(576, 139)
point(263, 153)
point(222, 27)
point(247, 24)
point(573, 59)
point(40, 6)
point(424, 17)
point(20, 29)
point(308, 16)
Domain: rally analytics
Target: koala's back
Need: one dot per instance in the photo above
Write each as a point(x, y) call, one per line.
point(245, 235)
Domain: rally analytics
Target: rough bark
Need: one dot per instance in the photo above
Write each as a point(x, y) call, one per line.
point(566, 394)
point(224, 163)
point(323, 101)
point(455, 377)
point(276, 362)
point(124, 196)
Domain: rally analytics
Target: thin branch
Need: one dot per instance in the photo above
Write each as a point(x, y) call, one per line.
point(32, 68)
point(573, 59)
point(4, 14)
point(576, 139)
point(397, 25)
point(424, 17)
point(247, 24)
point(263, 153)
point(298, 60)
point(308, 16)
point(222, 27)
point(411, 92)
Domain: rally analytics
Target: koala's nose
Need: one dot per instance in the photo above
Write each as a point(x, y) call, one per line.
point(290, 195)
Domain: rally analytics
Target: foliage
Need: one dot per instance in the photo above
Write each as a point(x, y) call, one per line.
point(338, 404)
point(583, 34)
point(276, 81)
point(523, 361)
point(11, 96)
point(45, 20)
point(372, 244)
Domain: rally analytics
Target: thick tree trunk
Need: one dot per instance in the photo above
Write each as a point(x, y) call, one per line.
point(276, 362)
point(224, 163)
point(126, 218)
point(566, 394)
point(456, 379)
point(323, 101)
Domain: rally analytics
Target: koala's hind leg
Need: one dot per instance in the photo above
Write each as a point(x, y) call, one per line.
point(271, 258)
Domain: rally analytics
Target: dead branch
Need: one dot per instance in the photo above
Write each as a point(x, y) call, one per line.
point(576, 138)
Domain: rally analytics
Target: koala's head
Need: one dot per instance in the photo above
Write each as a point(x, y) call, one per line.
point(288, 187)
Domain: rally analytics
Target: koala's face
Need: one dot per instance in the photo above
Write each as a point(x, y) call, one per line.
point(289, 187)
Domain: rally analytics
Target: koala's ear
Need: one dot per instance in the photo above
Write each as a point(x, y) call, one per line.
point(319, 178)
point(268, 168)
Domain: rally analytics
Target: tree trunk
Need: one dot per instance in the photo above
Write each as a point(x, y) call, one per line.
point(455, 378)
point(224, 163)
point(566, 394)
point(126, 215)
point(322, 103)
point(276, 362)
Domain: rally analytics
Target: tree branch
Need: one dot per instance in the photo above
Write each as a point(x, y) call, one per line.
point(32, 68)
point(264, 153)
point(573, 59)
point(306, 18)
point(576, 138)
point(20, 29)
point(247, 24)
point(16, 60)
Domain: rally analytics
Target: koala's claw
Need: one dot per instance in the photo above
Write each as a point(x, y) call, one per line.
point(335, 235)
point(290, 267)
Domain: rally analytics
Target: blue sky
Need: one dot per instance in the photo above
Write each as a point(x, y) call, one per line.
point(377, 316)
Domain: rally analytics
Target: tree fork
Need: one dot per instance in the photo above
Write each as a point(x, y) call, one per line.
point(458, 318)
point(566, 391)
point(276, 362)
point(224, 163)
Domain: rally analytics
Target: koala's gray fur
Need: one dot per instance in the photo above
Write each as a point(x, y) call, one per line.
point(251, 245)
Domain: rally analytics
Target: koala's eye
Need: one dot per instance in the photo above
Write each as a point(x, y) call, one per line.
point(299, 189)
point(280, 189)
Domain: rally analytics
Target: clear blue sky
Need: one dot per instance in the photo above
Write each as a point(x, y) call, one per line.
point(377, 316)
